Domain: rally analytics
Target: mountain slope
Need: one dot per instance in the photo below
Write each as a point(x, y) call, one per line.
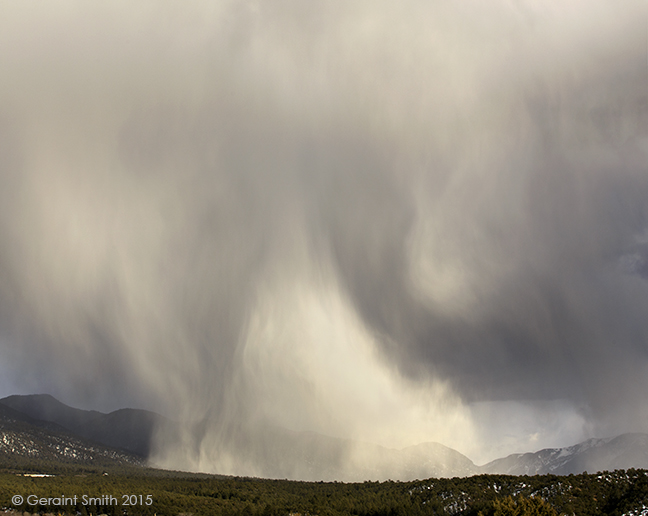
point(621, 452)
point(268, 451)
point(47, 408)
point(129, 429)
point(22, 437)
point(274, 452)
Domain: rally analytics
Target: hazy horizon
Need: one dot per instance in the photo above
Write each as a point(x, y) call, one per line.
point(401, 448)
point(395, 223)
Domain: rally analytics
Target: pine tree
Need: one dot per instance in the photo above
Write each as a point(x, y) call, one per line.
point(520, 506)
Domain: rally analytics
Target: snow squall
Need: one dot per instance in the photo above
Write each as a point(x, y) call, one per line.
point(392, 223)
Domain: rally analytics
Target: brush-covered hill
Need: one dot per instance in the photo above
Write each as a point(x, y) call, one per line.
point(27, 440)
point(128, 429)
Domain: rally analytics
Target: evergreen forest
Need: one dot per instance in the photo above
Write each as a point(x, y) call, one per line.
point(143, 491)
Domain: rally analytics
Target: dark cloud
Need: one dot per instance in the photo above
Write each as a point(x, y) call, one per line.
point(322, 215)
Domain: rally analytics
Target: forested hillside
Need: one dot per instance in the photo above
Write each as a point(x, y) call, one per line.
point(137, 491)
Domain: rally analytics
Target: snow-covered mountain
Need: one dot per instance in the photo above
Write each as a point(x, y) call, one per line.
point(621, 452)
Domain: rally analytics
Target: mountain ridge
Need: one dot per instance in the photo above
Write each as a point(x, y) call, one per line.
point(275, 452)
point(624, 451)
point(129, 429)
point(25, 438)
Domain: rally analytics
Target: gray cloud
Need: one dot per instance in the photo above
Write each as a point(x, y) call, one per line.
point(330, 216)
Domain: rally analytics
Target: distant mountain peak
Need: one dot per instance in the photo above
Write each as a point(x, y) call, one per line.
point(595, 454)
point(312, 456)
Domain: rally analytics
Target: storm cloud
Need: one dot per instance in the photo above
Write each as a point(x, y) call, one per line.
point(423, 221)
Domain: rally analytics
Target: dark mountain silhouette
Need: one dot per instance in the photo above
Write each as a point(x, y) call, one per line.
point(47, 408)
point(26, 438)
point(128, 429)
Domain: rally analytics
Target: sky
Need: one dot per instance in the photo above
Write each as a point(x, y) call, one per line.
point(395, 222)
